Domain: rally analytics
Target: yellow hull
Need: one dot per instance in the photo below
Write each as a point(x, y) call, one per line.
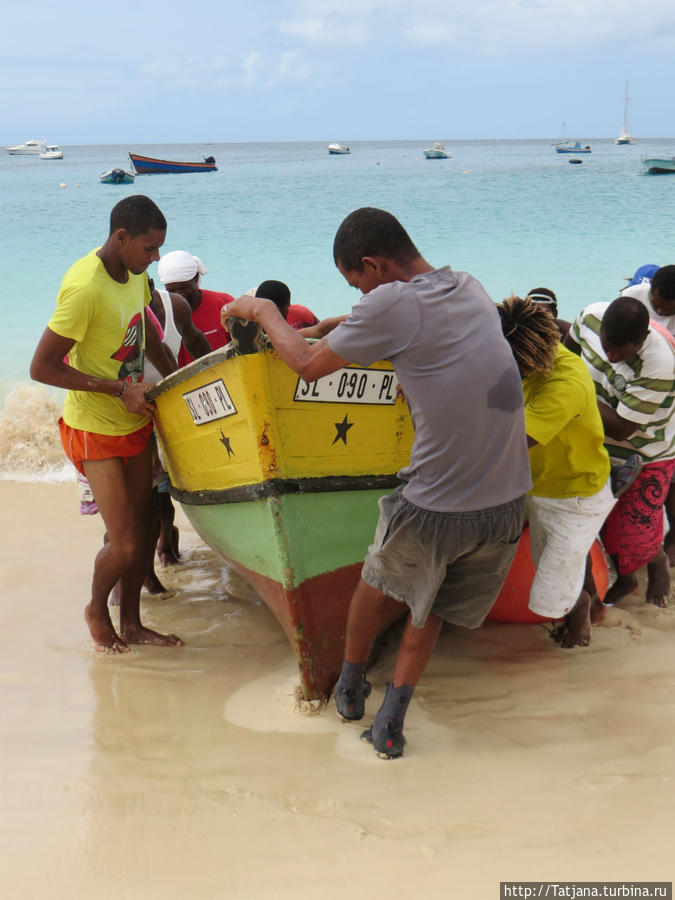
point(266, 424)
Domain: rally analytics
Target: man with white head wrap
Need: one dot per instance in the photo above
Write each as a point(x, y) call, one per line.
point(180, 272)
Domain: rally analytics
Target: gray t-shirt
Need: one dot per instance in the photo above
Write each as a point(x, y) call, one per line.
point(443, 335)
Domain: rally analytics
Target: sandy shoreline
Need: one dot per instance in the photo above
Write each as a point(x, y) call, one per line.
point(187, 773)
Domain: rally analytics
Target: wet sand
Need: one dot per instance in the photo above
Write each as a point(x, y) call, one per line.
point(188, 773)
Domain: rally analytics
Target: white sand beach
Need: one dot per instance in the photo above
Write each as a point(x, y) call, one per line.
point(188, 773)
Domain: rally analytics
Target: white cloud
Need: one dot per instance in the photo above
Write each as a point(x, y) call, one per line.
point(254, 69)
point(487, 26)
point(329, 31)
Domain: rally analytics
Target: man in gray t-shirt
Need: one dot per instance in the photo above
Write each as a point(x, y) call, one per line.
point(446, 538)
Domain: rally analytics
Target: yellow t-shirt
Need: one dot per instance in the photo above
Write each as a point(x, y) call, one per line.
point(106, 321)
point(561, 414)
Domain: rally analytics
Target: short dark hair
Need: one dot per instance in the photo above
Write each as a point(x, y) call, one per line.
point(546, 297)
point(276, 291)
point(625, 321)
point(532, 333)
point(664, 282)
point(137, 215)
point(371, 232)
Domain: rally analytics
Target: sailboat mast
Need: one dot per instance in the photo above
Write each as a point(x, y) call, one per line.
point(625, 111)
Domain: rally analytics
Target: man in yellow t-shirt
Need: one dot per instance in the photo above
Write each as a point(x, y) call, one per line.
point(571, 494)
point(94, 346)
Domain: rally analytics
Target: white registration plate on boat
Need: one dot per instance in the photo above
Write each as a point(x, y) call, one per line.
point(350, 385)
point(209, 402)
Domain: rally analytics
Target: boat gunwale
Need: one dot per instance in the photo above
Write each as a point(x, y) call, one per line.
point(197, 366)
point(280, 487)
point(190, 370)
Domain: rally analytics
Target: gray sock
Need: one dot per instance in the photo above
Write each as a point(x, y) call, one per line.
point(393, 709)
point(352, 675)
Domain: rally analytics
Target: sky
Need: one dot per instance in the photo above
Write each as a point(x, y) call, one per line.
point(300, 70)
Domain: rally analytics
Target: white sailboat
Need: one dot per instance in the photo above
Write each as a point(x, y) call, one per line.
point(625, 137)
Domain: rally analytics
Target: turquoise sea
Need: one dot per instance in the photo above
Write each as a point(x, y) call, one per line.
point(513, 213)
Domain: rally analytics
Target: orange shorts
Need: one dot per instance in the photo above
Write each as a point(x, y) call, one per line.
point(81, 445)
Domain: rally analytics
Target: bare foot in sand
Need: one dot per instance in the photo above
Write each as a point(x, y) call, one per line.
point(658, 580)
point(102, 631)
point(139, 634)
point(624, 585)
point(575, 631)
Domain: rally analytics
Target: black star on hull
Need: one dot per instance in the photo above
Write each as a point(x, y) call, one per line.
point(225, 441)
point(342, 428)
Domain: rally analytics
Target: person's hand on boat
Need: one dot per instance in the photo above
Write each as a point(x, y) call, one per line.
point(244, 307)
point(132, 395)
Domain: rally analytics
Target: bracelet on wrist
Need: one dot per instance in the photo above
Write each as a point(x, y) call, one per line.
point(121, 390)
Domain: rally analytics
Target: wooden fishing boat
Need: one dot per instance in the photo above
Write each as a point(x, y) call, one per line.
point(149, 165)
point(282, 478)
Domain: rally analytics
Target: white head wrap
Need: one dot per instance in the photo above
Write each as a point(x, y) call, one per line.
point(179, 266)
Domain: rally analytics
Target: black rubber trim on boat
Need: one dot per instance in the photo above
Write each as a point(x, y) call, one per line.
point(278, 487)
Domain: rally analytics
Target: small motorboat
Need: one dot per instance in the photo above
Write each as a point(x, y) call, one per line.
point(572, 147)
point(438, 151)
point(149, 165)
point(658, 166)
point(52, 151)
point(116, 176)
point(338, 149)
point(28, 148)
point(574, 161)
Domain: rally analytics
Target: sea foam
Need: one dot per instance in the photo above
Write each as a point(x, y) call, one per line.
point(30, 446)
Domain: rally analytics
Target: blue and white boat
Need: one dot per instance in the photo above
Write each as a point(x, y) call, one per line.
point(572, 147)
point(338, 149)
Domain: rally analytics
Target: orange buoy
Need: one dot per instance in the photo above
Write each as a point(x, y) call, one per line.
point(511, 603)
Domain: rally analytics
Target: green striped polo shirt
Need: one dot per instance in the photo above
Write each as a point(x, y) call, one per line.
point(640, 389)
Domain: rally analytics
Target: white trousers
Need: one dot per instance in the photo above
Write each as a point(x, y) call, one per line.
point(562, 532)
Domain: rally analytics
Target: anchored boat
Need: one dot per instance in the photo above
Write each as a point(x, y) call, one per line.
point(658, 165)
point(116, 176)
point(438, 151)
point(625, 137)
point(149, 165)
point(282, 478)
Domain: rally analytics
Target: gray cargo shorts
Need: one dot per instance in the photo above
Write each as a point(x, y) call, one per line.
point(451, 564)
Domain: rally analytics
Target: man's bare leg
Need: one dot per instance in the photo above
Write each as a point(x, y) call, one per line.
point(658, 580)
point(624, 584)
point(417, 644)
point(138, 475)
point(415, 651)
point(107, 483)
point(151, 582)
point(122, 493)
point(167, 545)
point(370, 612)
